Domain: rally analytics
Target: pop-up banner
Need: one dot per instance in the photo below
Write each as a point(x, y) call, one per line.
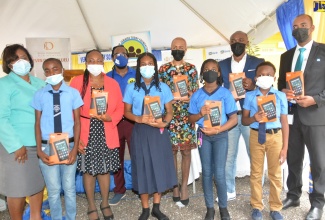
point(44, 48)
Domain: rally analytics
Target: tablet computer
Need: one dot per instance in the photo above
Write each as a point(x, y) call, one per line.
point(155, 109)
point(215, 116)
point(62, 149)
point(100, 105)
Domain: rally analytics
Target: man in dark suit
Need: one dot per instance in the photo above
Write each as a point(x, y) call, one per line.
point(308, 112)
point(237, 63)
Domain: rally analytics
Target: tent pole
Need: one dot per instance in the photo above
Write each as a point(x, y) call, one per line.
point(87, 24)
point(204, 20)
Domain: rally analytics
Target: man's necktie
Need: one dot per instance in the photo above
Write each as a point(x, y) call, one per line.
point(300, 59)
point(57, 112)
point(261, 133)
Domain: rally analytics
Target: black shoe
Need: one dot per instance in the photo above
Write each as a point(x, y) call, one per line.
point(157, 213)
point(145, 214)
point(314, 214)
point(210, 214)
point(224, 214)
point(176, 198)
point(287, 203)
point(185, 201)
point(110, 217)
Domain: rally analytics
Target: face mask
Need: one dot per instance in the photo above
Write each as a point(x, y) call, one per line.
point(147, 71)
point(210, 76)
point(300, 34)
point(265, 82)
point(238, 48)
point(121, 61)
point(21, 67)
point(95, 69)
point(178, 54)
point(54, 79)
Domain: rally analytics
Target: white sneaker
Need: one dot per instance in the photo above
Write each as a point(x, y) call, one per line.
point(2, 205)
point(230, 196)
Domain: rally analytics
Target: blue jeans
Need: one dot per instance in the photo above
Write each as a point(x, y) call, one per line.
point(213, 154)
point(54, 176)
point(233, 139)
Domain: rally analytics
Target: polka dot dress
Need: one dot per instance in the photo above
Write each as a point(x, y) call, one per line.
point(98, 158)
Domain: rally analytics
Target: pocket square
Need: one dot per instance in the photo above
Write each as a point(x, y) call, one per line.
point(318, 60)
point(250, 70)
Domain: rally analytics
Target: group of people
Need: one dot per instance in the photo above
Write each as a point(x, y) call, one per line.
point(32, 110)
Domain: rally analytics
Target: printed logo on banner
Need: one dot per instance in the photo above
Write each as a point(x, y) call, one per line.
point(319, 6)
point(48, 45)
point(134, 45)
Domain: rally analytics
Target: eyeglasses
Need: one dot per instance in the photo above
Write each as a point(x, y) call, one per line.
point(120, 54)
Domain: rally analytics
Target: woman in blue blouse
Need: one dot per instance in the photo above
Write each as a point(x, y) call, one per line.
point(214, 142)
point(153, 170)
point(20, 175)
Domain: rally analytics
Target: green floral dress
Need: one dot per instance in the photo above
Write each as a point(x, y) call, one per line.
point(182, 133)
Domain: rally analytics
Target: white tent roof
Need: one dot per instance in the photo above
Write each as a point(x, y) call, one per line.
point(91, 23)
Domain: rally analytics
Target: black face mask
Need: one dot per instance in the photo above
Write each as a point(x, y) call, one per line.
point(300, 34)
point(210, 76)
point(178, 54)
point(238, 48)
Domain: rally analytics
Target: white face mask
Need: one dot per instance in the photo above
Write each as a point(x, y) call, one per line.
point(265, 82)
point(21, 67)
point(54, 79)
point(95, 69)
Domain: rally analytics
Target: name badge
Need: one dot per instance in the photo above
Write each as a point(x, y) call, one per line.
point(290, 119)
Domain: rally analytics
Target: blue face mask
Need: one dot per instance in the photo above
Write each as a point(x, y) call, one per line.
point(21, 67)
point(121, 61)
point(147, 71)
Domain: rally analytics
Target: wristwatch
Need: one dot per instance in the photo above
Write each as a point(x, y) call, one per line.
point(166, 122)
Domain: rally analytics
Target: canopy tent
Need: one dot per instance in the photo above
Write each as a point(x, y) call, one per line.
point(90, 24)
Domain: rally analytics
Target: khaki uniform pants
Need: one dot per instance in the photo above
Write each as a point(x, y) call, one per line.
point(272, 148)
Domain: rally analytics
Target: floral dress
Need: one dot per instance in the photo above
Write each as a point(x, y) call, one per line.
point(182, 133)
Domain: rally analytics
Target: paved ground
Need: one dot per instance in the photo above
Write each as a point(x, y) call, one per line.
point(239, 209)
point(130, 206)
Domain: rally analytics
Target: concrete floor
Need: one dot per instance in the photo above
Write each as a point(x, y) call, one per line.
point(130, 207)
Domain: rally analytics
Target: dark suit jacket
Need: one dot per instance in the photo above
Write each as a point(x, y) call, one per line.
point(249, 69)
point(314, 83)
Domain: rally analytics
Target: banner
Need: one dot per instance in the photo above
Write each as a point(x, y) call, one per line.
point(107, 57)
point(136, 44)
point(218, 53)
point(193, 56)
point(43, 48)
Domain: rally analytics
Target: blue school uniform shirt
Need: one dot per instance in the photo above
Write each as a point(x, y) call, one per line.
point(250, 104)
point(135, 97)
point(228, 103)
point(123, 81)
point(70, 100)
